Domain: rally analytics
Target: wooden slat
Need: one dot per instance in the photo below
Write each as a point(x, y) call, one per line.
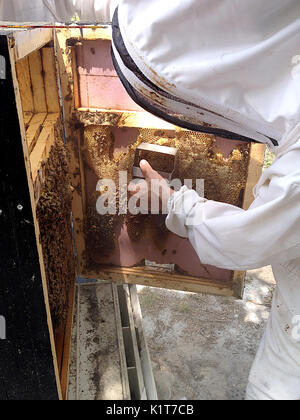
point(72, 380)
point(25, 87)
point(50, 81)
point(160, 279)
point(65, 361)
point(257, 153)
point(28, 41)
point(116, 118)
point(34, 130)
point(51, 119)
point(75, 79)
point(140, 385)
point(98, 360)
point(123, 364)
point(59, 346)
point(27, 118)
point(238, 281)
point(77, 178)
point(64, 57)
point(143, 346)
point(63, 344)
point(37, 81)
point(90, 34)
point(41, 152)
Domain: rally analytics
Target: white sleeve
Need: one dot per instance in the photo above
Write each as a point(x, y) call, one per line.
point(232, 238)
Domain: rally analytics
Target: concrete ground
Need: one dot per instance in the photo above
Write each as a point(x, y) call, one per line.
point(202, 347)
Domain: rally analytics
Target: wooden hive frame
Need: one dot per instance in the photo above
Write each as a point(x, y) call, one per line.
point(36, 82)
point(67, 41)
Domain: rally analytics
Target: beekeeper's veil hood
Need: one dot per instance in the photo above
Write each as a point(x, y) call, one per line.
point(227, 67)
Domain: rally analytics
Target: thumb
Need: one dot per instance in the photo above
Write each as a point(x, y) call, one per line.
point(148, 171)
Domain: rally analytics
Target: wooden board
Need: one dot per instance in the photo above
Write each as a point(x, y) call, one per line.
point(27, 41)
point(98, 83)
point(254, 172)
point(123, 362)
point(134, 366)
point(28, 367)
point(66, 348)
point(149, 380)
point(117, 118)
point(72, 379)
point(37, 81)
point(37, 77)
point(64, 58)
point(50, 80)
point(146, 277)
point(41, 151)
point(99, 375)
point(23, 74)
point(101, 305)
point(27, 118)
point(34, 129)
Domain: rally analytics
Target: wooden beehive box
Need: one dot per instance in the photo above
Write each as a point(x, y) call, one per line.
point(62, 95)
point(105, 128)
point(36, 165)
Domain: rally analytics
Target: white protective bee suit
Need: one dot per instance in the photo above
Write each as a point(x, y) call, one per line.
point(236, 66)
point(50, 11)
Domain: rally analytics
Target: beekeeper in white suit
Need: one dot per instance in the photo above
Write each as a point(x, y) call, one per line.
point(236, 66)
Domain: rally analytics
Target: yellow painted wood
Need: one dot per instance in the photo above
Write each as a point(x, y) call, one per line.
point(257, 153)
point(37, 81)
point(25, 87)
point(34, 130)
point(50, 80)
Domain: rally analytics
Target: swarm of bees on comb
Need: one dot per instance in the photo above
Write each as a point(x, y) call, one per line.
point(54, 217)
